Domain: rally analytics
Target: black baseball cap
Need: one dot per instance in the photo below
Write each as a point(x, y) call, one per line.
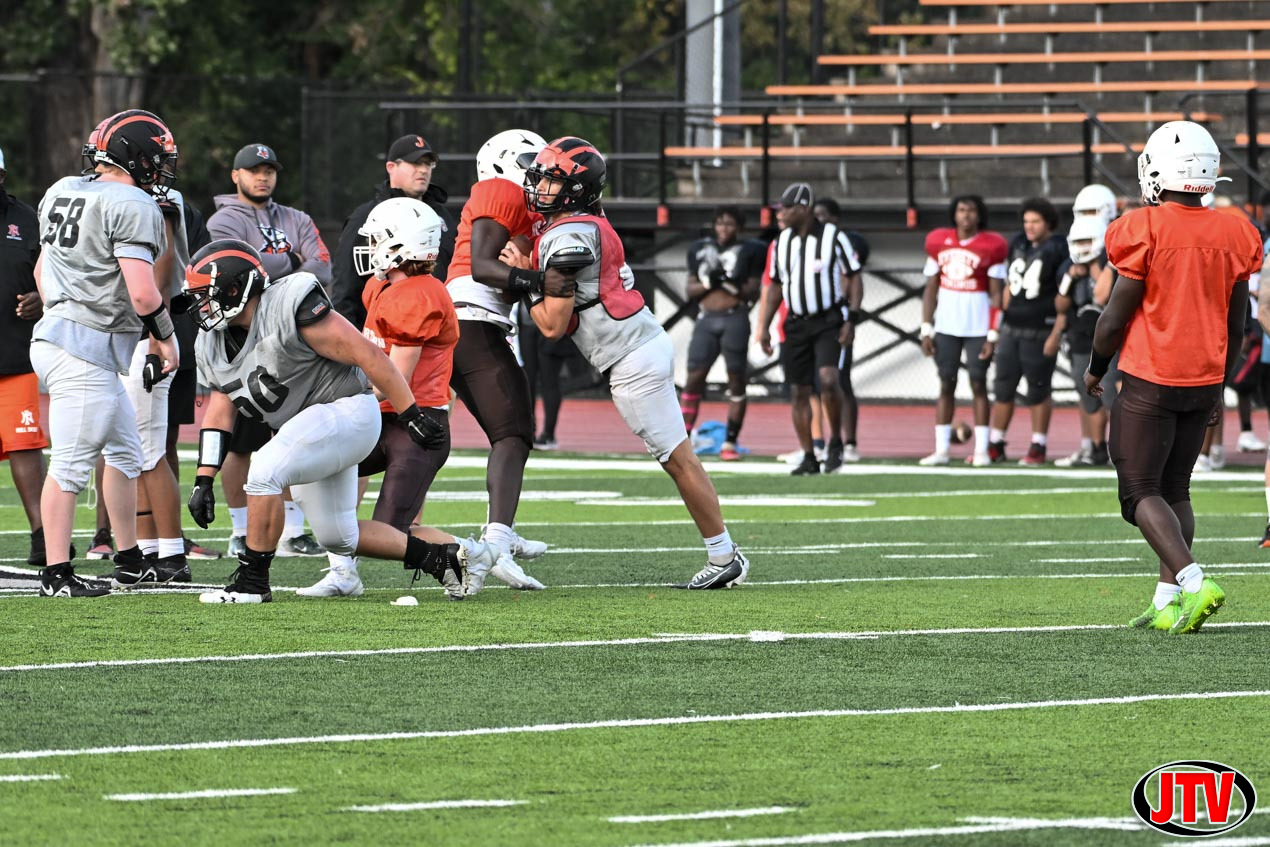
point(798, 194)
point(411, 148)
point(256, 154)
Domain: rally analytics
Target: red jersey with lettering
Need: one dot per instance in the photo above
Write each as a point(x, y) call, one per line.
point(962, 267)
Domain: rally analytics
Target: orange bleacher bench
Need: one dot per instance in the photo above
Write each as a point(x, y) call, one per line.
point(865, 151)
point(972, 119)
point(1056, 2)
point(1058, 27)
point(1263, 139)
point(953, 89)
point(1091, 57)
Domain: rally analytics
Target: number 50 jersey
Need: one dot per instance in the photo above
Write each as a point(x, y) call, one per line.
point(275, 375)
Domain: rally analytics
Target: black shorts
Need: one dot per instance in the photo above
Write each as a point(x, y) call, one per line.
point(728, 332)
point(1020, 353)
point(491, 383)
point(248, 435)
point(181, 398)
point(1156, 435)
point(948, 357)
point(408, 469)
point(811, 343)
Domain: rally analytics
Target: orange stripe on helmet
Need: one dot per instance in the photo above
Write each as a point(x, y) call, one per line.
point(193, 274)
point(166, 139)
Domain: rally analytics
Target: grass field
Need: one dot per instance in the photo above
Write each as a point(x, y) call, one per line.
point(935, 658)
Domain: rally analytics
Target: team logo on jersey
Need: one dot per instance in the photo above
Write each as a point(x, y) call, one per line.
point(1194, 783)
point(275, 240)
point(14, 234)
point(28, 417)
point(957, 268)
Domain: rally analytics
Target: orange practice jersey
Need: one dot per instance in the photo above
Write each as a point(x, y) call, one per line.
point(415, 312)
point(501, 200)
point(1189, 259)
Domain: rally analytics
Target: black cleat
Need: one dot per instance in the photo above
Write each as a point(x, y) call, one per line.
point(247, 584)
point(733, 573)
point(61, 581)
point(140, 571)
point(808, 467)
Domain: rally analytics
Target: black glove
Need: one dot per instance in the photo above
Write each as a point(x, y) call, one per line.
point(203, 502)
point(427, 433)
point(152, 372)
point(717, 278)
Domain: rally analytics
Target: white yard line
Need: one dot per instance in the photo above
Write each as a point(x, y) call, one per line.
point(198, 795)
point(1055, 516)
point(435, 804)
point(30, 777)
point(702, 816)
point(1089, 561)
point(623, 723)
point(933, 556)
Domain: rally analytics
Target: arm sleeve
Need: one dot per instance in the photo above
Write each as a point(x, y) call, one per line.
point(317, 259)
point(1129, 246)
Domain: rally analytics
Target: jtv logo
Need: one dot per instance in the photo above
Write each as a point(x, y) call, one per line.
point(1169, 798)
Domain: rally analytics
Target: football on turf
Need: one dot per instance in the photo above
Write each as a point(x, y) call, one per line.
point(961, 432)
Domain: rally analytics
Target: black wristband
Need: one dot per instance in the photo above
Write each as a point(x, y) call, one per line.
point(159, 323)
point(1098, 364)
point(525, 281)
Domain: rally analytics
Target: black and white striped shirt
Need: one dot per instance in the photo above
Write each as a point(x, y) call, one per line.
point(809, 268)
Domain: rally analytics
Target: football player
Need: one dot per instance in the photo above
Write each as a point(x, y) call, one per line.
point(102, 233)
point(487, 377)
point(961, 309)
point(1176, 315)
point(278, 354)
point(410, 317)
point(599, 306)
point(1031, 329)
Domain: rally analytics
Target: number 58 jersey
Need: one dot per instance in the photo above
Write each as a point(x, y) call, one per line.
point(274, 375)
point(86, 227)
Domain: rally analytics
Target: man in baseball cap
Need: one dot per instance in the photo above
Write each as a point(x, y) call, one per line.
point(254, 155)
point(798, 194)
point(411, 148)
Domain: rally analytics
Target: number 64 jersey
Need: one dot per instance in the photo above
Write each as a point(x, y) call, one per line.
point(272, 375)
point(86, 227)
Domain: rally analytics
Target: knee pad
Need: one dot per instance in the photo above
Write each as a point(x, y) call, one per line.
point(261, 481)
point(342, 543)
point(1129, 507)
point(1036, 393)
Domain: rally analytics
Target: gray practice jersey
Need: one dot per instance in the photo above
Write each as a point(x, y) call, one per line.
point(612, 325)
point(175, 205)
point(275, 375)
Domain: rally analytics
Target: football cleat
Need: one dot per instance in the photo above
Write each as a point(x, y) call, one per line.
point(833, 458)
point(301, 545)
point(237, 546)
point(542, 442)
point(808, 467)
point(793, 457)
point(937, 458)
point(1202, 464)
point(1198, 607)
point(341, 580)
point(246, 586)
point(996, 452)
point(1265, 539)
point(850, 453)
point(1249, 442)
point(1100, 455)
point(1217, 457)
point(506, 570)
point(525, 549)
point(979, 460)
point(1035, 455)
point(1080, 458)
point(1161, 619)
point(728, 452)
point(134, 572)
point(713, 576)
point(61, 581)
point(197, 551)
point(478, 559)
point(102, 547)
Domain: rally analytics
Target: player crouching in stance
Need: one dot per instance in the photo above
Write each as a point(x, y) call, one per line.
point(280, 354)
point(1178, 304)
point(616, 332)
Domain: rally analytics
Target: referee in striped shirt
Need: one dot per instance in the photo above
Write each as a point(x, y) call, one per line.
point(813, 267)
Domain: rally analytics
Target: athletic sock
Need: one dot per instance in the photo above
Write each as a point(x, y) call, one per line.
point(720, 548)
point(293, 522)
point(149, 546)
point(1165, 593)
point(501, 536)
point(1039, 438)
point(996, 435)
point(239, 518)
point(981, 439)
point(1190, 578)
point(817, 444)
point(171, 547)
point(1087, 444)
point(943, 437)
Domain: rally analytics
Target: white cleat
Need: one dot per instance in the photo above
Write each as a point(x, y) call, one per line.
point(937, 458)
point(508, 571)
point(850, 453)
point(341, 580)
point(523, 548)
point(980, 460)
point(1249, 442)
point(478, 559)
point(1202, 464)
point(222, 595)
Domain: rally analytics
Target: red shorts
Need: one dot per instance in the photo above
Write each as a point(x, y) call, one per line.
point(20, 414)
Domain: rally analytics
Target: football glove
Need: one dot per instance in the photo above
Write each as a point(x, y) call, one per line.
point(427, 433)
point(203, 502)
point(152, 372)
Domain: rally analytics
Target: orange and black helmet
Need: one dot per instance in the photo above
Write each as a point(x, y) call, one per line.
point(141, 144)
point(577, 165)
point(220, 279)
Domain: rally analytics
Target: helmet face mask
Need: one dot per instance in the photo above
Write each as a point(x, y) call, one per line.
point(220, 280)
point(1085, 239)
point(140, 144)
point(508, 155)
point(398, 230)
point(1179, 156)
point(578, 168)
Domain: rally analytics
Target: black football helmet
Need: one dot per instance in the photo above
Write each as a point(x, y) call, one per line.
point(89, 151)
point(139, 143)
point(220, 279)
point(573, 162)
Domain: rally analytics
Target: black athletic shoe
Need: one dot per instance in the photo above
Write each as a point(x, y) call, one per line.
point(833, 458)
point(710, 577)
point(1099, 456)
point(807, 467)
point(61, 581)
point(246, 585)
point(136, 571)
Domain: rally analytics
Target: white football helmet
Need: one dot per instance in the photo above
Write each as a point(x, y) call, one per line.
point(1095, 199)
point(398, 230)
point(1085, 240)
point(508, 155)
point(1179, 156)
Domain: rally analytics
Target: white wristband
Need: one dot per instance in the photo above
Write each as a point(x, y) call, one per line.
point(928, 330)
point(993, 336)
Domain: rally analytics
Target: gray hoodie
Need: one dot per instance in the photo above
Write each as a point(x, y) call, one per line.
point(286, 238)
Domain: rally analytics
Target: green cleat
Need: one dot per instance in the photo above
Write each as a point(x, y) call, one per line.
point(1197, 607)
point(1161, 619)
